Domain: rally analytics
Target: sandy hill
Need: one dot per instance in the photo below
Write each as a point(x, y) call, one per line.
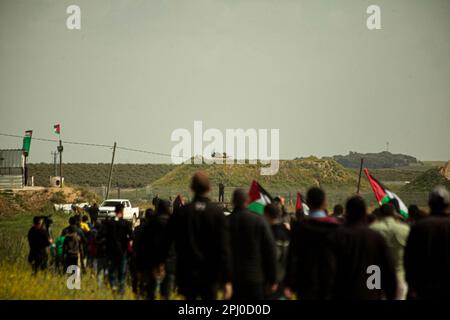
point(429, 179)
point(301, 173)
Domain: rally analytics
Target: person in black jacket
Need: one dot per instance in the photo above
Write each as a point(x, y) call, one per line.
point(149, 249)
point(118, 236)
point(311, 260)
point(221, 192)
point(365, 269)
point(252, 251)
point(93, 213)
point(282, 237)
point(200, 234)
point(427, 252)
point(38, 241)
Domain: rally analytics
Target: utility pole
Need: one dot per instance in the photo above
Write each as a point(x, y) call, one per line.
point(60, 150)
point(387, 146)
point(54, 155)
point(110, 171)
point(360, 173)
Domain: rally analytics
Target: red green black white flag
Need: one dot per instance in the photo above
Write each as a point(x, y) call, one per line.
point(384, 195)
point(259, 198)
point(57, 128)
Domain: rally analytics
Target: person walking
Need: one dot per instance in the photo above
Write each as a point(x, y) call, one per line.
point(38, 241)
point(118, 237)
point(252, 252)
point(72, 248)
point(281, 235)
point(200, 235)
point(365, 269)
point(427, 252)
point(311, 260)
point(395, 233)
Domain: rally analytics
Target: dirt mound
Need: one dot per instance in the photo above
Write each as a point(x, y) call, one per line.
point(445, 170)
point(301, 173)
point(41, 199)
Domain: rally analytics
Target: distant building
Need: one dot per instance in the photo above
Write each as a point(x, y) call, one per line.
point(12, 169)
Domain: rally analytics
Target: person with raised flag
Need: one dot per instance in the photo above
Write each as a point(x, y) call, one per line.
point(395, 234)
point(384, 195)
point(301, 208)
point(259, 198)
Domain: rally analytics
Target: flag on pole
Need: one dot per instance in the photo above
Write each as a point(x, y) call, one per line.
point(259, 198)
point(384, 195)
point(57, 129)
point(299, 204)
point(27, 142)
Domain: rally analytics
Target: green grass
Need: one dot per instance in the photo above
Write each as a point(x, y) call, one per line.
point(16, 279)
point(96, 174)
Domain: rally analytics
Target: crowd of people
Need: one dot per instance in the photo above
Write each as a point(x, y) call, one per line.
point(195, 250)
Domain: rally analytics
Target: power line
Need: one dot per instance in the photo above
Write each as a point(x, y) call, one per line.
point(91, 145)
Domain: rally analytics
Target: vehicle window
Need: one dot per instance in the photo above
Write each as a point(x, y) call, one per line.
point(110, 203)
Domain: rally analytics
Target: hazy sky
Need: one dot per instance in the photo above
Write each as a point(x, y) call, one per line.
point(137, 70)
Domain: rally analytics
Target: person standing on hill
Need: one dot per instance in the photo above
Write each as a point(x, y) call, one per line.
point(311, 260)
point(221, 192)
point(395, 234)
point(38, 241)
point(199, 232)
point(155, 202)
point(118, 233)
point(427, 252)
point(365, 269)
point(252, 252)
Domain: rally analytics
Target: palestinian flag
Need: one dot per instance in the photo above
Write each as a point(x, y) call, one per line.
point(57, 128)
point(384, 195)
point(27, 142)
point(259, 198)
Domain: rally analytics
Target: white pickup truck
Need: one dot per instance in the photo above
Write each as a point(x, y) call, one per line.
point(108, 207)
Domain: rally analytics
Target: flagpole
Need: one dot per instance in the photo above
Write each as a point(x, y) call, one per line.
point(359, 178)
point(110, 171)
point(60, 150)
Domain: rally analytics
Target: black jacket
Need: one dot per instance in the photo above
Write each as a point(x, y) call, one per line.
point(252, 249)
point(282, 237)
point(311, 259)
point(358, 247)
point(149, 244)
point(118, 234)
point(427, 258)
point(38, 241)
point(200, 234)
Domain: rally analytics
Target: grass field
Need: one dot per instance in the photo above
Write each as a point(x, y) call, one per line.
point(16, 279)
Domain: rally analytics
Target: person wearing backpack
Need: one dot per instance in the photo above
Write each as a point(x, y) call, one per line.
point(72, 248)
